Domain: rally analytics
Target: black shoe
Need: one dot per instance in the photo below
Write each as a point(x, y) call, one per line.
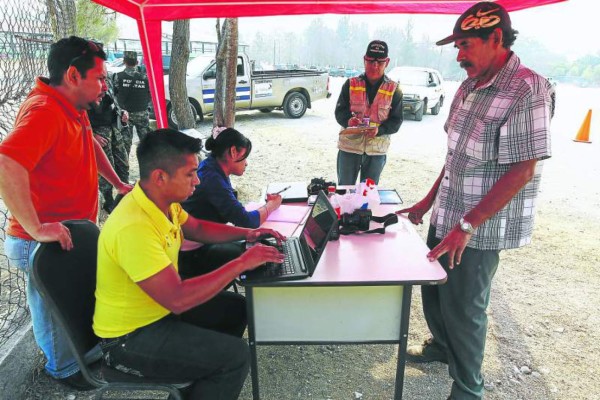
point(427, 352)
point(76, 381)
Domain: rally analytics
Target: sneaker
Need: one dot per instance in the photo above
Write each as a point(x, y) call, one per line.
point(427, 352)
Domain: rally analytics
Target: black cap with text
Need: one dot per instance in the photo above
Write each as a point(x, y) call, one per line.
point(479, 20)
point(377, 49)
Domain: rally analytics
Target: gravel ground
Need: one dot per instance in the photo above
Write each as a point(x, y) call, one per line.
point(543, 336)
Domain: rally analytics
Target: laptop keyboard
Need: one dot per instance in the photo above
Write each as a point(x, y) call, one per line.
point(291, 251)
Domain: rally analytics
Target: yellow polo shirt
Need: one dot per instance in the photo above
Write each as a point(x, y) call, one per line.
point(136, 242)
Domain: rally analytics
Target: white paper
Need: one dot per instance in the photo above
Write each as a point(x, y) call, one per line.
point(287, 213)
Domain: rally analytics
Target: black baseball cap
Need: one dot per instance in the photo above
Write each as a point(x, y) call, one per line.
point(479, 20)
point(377, 49)
point(130, 55)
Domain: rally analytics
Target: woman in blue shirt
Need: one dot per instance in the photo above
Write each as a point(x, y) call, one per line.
point(214, 200)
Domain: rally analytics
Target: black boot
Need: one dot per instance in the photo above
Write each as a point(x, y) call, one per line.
point(109, 202)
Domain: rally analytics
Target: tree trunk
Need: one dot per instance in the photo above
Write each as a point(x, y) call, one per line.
point(62, 17)
point(227, 52)
point(180, 55)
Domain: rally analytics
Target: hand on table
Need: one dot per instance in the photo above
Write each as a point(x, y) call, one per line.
point(416, 212)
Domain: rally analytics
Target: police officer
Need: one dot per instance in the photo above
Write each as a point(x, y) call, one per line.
point(109, 127)
point(133, 94)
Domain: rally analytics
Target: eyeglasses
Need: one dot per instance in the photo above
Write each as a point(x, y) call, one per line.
point(91, 48)
point(374, 62)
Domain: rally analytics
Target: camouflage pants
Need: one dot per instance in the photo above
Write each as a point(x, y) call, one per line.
point(127, 135)
point(115, 151)
point(141, 121)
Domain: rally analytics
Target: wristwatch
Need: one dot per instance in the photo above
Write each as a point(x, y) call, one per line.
point(466, 226)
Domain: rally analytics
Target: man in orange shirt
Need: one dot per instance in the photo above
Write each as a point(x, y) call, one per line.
point(50, 164)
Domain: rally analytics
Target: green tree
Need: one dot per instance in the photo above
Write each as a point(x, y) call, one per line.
point(180, 56)
point(95, 22)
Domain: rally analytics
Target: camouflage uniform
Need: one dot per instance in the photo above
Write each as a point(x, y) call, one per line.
point(141, 121)
point(105, 122)
point(116, 153)
point(127, 135)
point(133, 95)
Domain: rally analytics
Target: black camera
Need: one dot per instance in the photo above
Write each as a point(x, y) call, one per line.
point(318, 184)
point(359, 219)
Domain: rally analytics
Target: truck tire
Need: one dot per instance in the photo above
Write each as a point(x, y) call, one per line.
point(436, 110)
point(171, 115)
point(295, 105)
point(419, 114)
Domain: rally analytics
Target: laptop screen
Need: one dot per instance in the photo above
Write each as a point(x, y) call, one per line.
point(318, 226)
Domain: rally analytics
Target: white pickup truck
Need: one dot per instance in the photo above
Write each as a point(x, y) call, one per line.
point(292, 91)
point(422, 89)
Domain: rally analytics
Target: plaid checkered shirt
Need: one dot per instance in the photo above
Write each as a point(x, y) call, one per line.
point(490, 128)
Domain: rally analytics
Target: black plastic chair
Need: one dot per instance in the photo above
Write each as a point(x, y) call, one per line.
point(66, 281)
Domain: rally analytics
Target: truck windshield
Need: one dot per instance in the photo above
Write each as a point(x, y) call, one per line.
point(198, 65)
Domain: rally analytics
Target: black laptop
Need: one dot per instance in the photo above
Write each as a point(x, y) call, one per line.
point(302, 253)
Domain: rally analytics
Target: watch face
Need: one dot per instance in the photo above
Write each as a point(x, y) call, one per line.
point(465, 226)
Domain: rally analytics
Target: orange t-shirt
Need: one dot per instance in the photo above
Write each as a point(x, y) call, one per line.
point(53, 141)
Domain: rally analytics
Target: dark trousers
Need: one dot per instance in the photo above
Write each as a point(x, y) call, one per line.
point(117, 155)
point(207, 258)
point(203, 345)
point(456, 316)
point(350, 164)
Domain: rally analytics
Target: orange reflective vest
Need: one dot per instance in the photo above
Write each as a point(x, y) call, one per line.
point(377, 112)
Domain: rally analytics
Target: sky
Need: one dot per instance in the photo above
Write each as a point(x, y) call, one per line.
point(564, 27)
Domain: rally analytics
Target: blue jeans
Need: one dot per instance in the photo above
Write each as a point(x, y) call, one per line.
point(49, 337)
point(349, 164)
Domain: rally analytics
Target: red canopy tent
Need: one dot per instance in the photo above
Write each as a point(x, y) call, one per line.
point(150, 13)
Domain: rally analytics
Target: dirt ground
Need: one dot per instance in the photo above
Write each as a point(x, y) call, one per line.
point(543, 334)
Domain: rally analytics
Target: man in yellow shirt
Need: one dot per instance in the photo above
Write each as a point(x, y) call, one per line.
point(151, 323)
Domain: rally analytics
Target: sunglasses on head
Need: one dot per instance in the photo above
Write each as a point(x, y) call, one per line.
point(372, 61)
point(91, 48)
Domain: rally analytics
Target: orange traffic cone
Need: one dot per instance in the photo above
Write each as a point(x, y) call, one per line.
point(583, 135)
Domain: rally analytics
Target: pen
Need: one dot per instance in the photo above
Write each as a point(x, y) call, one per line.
point(282, 190)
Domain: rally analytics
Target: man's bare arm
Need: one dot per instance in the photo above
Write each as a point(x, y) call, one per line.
point(15, 190)
point(213, 232)
point(177, 296)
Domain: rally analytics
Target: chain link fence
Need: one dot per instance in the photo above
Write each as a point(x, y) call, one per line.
point(25, 38)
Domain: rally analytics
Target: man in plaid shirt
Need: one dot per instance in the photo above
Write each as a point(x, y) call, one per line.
point(484, 199)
